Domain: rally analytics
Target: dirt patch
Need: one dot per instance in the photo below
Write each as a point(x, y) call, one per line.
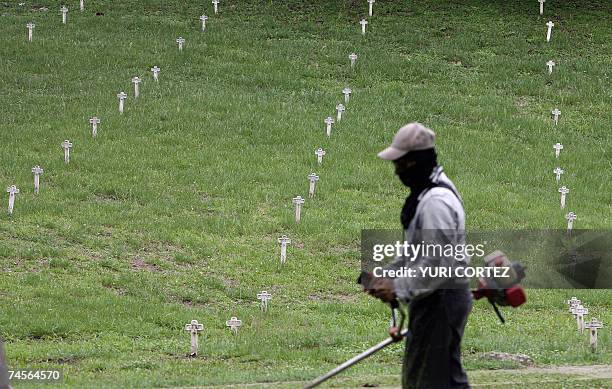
point(587, 371)
point(139, 264)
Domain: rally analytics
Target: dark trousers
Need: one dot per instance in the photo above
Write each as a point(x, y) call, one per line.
point(433, 351)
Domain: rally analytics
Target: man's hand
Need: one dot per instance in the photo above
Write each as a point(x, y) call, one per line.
point(382, 288)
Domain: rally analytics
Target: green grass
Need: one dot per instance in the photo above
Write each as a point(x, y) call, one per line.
point(172, 212)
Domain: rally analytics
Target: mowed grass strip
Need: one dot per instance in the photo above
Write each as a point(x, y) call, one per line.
point(173, 211)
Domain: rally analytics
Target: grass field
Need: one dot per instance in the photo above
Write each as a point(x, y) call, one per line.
point(172, 212)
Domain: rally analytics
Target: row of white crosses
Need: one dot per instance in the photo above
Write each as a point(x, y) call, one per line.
point(578, 310)
point(556, 113)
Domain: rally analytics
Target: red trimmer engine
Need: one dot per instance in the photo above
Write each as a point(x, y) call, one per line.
point(504, 291)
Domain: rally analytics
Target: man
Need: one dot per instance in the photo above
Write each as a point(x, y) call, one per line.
point(438, 307)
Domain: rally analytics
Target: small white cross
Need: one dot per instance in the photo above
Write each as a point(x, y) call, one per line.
point(558, 171)
point(180, 40)
point(558, 147)
point(64, 11)
point(216, 5)
point(328, 125)
point(340, 108)
point(136, 82)
point(312, 178)
point(284, 241)
point(155, 70)
point(551, 65)
point(37, 171)
point(12, 191)
point(550, 25)
point(347, 94)
point(593, 326)
point(556, 112)
point(571, 216)
point(371, 3)
point(264, 296)
point(203, 18)
point(30, 26)
point(121, 96)
point(579, 311)
point(233, 324)
point(319, 153)
point(564, 191)
point(298, 201)
point(66, 145)
point(194, 328)
point(82, 5)
point(353, 58)
point(541, 6)
point(363, 23)
point(94, 121)
point(572, 303)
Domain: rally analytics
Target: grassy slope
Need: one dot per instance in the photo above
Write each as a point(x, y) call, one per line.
point(172, 213)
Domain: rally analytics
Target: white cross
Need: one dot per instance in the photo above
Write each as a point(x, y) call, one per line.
point(353, 58)
point(203, 18)
point(264, 296)
point(550, 25)
point(94, 121)
point(593, 326)
point(66, 145)
point(180, 40)
point(556, 112)
point(136, 82)
point(541, 6)
point(573, 302)
point(579, 311)
point(551, 65)
point(347, 94)
point(328, 123)
point(216, 5)
point(155, 71)
point(571, 216)
point(564, 191)
point(121, 96)
point(371, 3)
point(82, 5)
point(37, 171)
point(558, 171)
point(340, 108)
point(558, 147)
point(319, 153)
point(298, 201)
point(363, 23)
point(233, 324)
point(194, 328)
point(284, 241)
point(64, 11)
point(30, 26)
point(312, 178)
point(12, 191)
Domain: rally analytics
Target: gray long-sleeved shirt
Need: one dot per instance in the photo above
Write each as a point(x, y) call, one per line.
point(439, 220)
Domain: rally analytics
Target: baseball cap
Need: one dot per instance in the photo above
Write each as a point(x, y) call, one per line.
point(411, 137)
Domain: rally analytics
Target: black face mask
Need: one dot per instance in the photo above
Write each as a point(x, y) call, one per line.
point(414, 168)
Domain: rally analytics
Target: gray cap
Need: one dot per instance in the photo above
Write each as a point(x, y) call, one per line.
point(411, 137)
